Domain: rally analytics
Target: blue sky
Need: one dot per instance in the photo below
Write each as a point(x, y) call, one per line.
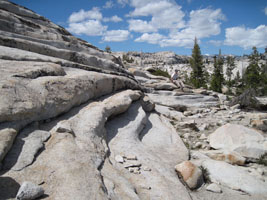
point(233, 26)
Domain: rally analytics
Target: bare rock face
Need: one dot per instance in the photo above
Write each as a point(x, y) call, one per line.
point(234, 177)
point(74, 121)
point(245, 141)
point(7, 137)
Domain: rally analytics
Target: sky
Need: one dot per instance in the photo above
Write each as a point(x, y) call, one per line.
point(234, 26)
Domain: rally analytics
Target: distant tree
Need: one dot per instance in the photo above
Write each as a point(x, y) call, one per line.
point(217, 76)
point(197, 78)
point(230, 63)
point(108, 49)
point(252, 76)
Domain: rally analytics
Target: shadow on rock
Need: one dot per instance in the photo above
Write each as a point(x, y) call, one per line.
point(9, 188)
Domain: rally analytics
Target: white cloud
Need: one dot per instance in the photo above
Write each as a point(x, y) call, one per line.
point(109, 4)
point(153, 38)
point(89, 27)
point(123, 2)
point(164, 14)
point(114, 18)
point(116, 36)
point(84, 15)
point(265, 10)
point(141, 26)
point(203, 23)
point(246, 37)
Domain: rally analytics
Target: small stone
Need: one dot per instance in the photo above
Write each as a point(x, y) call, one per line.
point(63, 127)
point(198, 145)
point(135, 170)
point(190, 173)
point(29, 190)
point(203, 127)
point(237, 106)
point(130, 157)
point(145, 168)
point(119, 159)
point(147, 104)
point(146, 187)
point(186, 135)
point(203, 137)
point(214, 188)
point(188, 113)
point(132, 163)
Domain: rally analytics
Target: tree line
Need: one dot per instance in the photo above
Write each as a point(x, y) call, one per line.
point(254, 77)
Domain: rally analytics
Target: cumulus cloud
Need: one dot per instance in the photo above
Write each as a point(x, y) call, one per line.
point(84, 15)
point(153, 38)
point(88, 27)
point(141, 26)
point(108, 4)
point(116, 35)
point(114, 18)
point(246, 37)
point(202, 23)
point(164, 14)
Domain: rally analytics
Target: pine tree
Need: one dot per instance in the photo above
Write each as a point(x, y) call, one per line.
point(196, 63)
point(217, 76)
point(252, 77)
point(229, 71)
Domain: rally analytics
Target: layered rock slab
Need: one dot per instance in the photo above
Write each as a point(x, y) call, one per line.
point(69, 166)
point(153, 143)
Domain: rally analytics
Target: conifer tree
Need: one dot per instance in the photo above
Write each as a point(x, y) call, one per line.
point(217, 76)
point(197, 75)
point(229, 70)
point(252, 77)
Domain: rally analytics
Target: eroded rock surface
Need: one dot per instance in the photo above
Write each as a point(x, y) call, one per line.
point(76, 123)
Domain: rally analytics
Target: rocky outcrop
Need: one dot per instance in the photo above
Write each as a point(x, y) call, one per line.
point(75, 124)
point(247, 142)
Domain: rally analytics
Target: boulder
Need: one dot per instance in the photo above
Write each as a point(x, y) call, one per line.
point(234, 177)
point(246, 141)
point(29, 190)
point(259, 124)
point(147, 104)
point(169, 112)
point(190, 173)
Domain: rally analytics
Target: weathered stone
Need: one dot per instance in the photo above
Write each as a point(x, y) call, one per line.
point(190, 173)
point(241, 139)
point(25, 149)
point(7, 137)
point(169, 112)
point(214, 188)
point(119, 159)
point(29, 190)
point(259, 124)
point(230, 157)
point(147, 104)
point(234, 177)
